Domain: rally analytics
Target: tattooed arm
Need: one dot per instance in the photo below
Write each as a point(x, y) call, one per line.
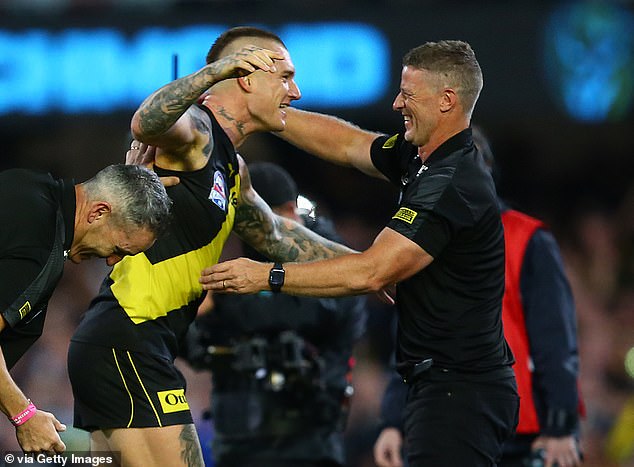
point(275, 236)
point(324, 268)
point(163, 119)
point(391, 259)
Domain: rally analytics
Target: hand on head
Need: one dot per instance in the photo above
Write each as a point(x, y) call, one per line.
point(144, 154)
point(246, 61)
point(140, 154)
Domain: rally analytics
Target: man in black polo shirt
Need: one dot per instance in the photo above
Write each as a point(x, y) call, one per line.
point(443, 247)
point(44, 221)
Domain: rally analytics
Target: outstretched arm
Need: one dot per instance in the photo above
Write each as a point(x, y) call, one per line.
point(331, 139)
point(277, 237)
point(391, 259)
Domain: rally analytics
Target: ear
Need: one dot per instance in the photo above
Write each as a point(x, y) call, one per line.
point(246, 83)
point(98, 210)
point(448, 100)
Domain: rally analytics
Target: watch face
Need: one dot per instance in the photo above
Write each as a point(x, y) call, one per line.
point(276, 278)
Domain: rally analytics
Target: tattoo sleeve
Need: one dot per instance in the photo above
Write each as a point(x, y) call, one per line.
point(164, 107)
point(278, 238)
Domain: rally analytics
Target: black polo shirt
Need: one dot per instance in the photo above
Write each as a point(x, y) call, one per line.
point(37, 224)
point(451, 310)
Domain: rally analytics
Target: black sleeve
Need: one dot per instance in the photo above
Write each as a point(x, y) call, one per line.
point(26, 236)
point(16, 274)
point(552, 334)
point(386, 154)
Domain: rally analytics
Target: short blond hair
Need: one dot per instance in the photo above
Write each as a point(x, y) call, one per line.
point(454, 63)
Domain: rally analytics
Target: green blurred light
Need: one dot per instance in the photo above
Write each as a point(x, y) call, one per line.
point(629, 362)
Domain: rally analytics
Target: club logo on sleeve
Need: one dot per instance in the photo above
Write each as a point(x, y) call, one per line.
point(390, 142)
point(405, 215)
point(173, 400)
point(218, 192)
point(25, 309)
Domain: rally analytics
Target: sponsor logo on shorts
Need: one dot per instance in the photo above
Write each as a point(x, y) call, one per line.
point(25, 309)
point(173, 401)
point(405, 215)
point(391, 141)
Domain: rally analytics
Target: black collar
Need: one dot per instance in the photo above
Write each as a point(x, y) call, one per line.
point(453, 144)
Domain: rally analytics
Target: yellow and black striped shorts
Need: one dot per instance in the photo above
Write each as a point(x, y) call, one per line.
point(116, 388)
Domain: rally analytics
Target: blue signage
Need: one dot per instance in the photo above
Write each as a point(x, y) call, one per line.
point(104, 70)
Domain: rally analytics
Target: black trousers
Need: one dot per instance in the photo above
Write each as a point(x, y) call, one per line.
point(453, 422)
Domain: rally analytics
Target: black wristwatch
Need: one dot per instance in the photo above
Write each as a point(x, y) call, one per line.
point(276, 277)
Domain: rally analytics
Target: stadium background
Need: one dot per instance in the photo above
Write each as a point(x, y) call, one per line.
point(558, 106)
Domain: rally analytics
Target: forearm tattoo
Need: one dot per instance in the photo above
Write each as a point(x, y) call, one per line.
point(164, 107)
point(190, 447)
point(281, 239)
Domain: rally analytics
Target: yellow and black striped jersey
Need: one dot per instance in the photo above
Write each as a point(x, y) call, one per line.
point(148, 300)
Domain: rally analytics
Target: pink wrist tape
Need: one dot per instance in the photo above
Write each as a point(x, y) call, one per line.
point(23, 416)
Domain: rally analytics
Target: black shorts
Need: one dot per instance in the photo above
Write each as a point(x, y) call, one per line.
point(116, 388)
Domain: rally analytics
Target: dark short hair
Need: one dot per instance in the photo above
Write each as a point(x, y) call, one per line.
point(274, 184)
point(230, 35)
